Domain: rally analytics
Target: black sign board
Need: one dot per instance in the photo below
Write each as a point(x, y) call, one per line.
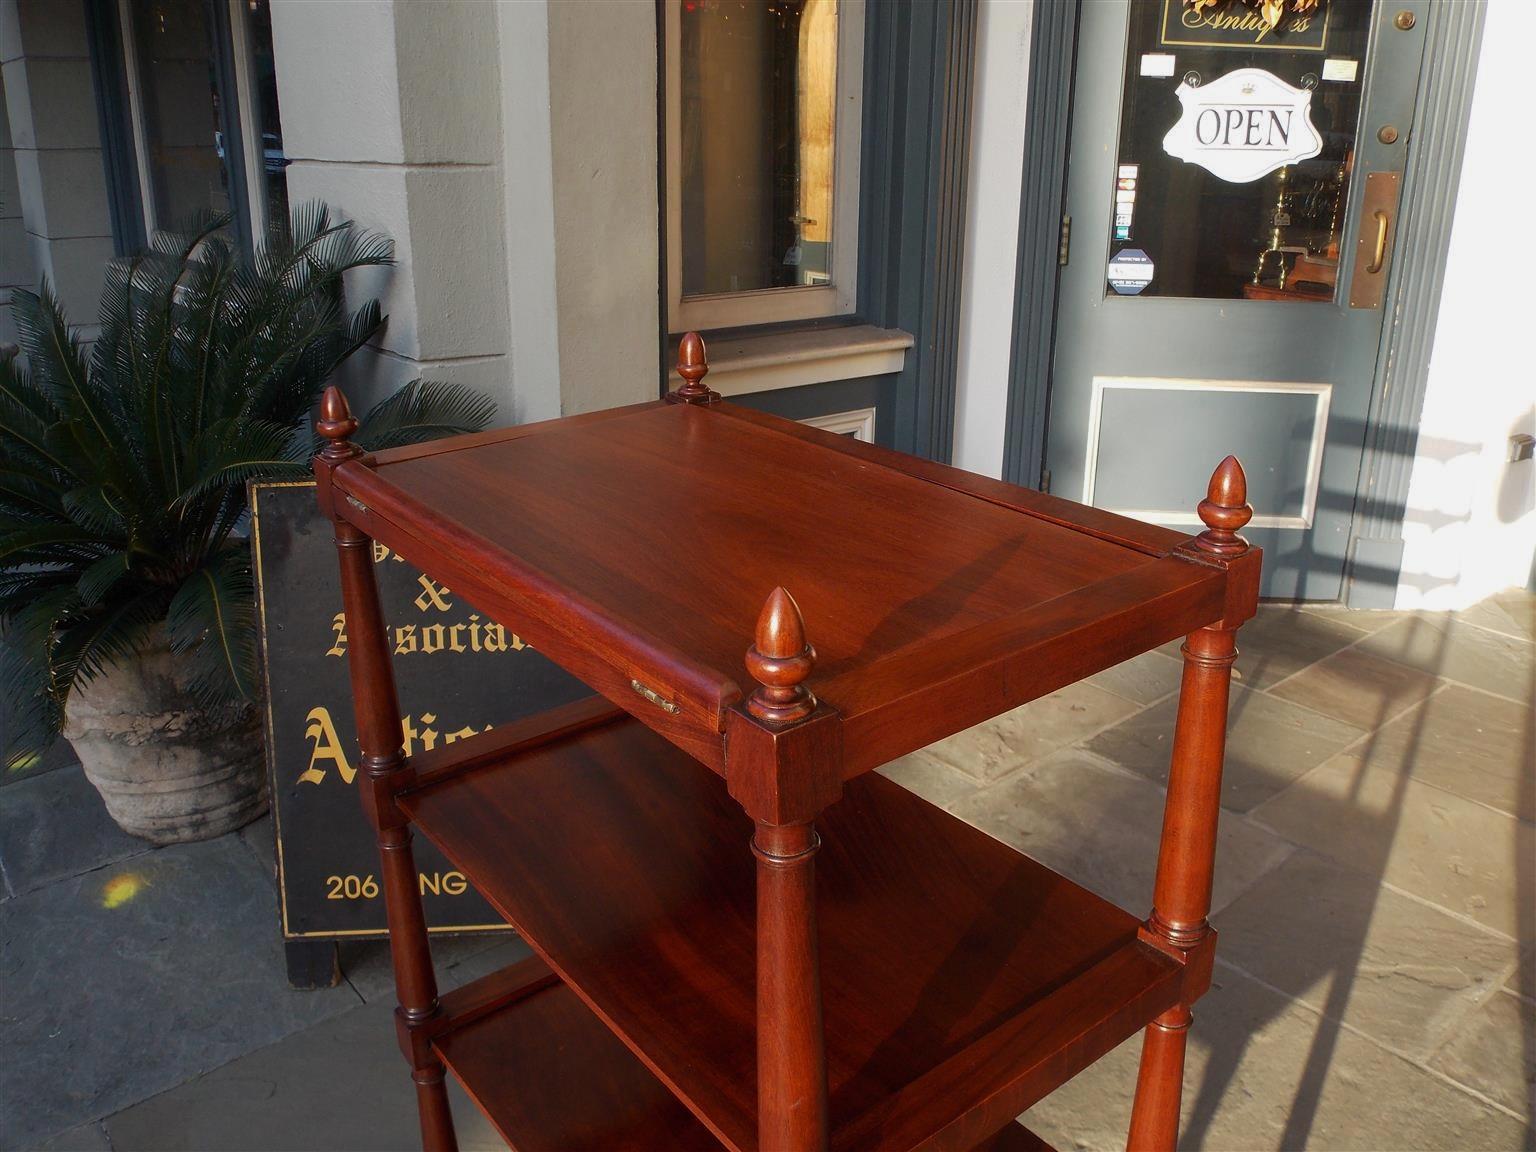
point(1233, 24)
point(458, 673)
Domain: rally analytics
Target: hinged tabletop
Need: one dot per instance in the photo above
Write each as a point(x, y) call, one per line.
point(636, 547)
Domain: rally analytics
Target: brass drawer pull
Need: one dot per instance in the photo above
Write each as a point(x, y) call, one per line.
point(655, 698)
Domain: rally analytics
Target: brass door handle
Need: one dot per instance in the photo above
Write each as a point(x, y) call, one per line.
point(1381, 242)
point(1368, 277)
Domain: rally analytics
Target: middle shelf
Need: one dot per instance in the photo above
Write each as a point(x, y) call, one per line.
point(961, 980)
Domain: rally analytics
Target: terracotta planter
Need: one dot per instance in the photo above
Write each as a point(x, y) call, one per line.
point(169, 769)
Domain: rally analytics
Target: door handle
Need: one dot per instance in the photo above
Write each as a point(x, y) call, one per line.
point(1373, 245)
point(1381, 242)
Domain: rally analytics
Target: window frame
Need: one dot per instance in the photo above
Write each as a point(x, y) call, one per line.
point(231, 50)
point(791, 303)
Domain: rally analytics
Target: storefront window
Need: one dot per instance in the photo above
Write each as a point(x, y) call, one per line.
point(205, 134)
point(762, 151)
point(273, 180)
point(1237, 141)
point(184, 148)
point(759, 94)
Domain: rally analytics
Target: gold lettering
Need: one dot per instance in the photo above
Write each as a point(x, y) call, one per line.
point(426, 733)
point(495, 638)
point(454, 643)
point(461, 734)
point(1243, 22)
point(339, 627)
point(432, 638)
point(454, 883)
point(405, 639)
point(433, 595)
point(432, 883)
point(325, 745)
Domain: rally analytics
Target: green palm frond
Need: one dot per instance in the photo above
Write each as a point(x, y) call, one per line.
point(123, 471)
point(211, 621)
point(423, 410)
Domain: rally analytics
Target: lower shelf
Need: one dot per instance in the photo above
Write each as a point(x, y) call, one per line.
point(961, 981)
point(551, 1078)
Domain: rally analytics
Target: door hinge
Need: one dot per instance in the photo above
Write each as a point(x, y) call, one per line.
point(1064, 245)
point(1045, 480)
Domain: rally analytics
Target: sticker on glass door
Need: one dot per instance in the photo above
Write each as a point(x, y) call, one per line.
point(1233, 166)
point(1130, 271)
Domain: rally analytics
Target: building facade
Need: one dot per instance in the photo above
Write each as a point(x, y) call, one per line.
point(1085, 244)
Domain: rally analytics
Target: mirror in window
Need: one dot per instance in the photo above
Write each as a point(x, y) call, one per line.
point(758, 112)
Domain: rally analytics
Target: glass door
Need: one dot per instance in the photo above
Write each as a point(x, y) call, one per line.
point(1232, 188)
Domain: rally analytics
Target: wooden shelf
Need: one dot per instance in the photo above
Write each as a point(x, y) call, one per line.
point(802, 954)
point(961, 981)
point(636, 545)
point(549, 1076)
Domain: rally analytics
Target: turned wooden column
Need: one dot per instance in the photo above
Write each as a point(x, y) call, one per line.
point(783, 765)
point(384, 773)
point(1186, 855)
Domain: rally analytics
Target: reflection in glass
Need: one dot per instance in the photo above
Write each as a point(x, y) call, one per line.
point(759, 83)
point(187, 154)
point(1272, 238)
point(274, 178)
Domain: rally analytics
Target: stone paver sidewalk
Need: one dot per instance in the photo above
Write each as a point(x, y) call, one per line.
point(1376, 898)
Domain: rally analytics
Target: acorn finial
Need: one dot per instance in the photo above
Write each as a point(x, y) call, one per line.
point(1225, 510)
point(780, 660)
point(336, 425)
point(692, 366)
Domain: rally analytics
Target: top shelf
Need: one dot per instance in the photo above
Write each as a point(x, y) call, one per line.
point(636, 548)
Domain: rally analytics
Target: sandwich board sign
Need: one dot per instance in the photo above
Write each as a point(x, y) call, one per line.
point(457, 672)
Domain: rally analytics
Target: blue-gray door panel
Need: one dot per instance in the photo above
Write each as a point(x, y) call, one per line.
point(1151, 447)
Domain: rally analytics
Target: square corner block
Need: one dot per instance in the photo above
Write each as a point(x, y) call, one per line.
point(10, 187)
point(449, 83)
point(336, 70)
point(16, 267)
point(371, 375)
point(51, 103)
point(63, 192)
point(42, 28)
point(459, 263)
point(77, 270)
point(375, 199)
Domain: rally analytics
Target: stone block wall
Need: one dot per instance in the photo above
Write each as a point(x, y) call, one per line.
point(57, 205)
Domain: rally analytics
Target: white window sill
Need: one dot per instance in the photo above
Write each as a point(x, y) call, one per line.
point(809, 356)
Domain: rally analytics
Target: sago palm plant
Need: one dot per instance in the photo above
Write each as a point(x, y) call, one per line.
point(123, 470)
